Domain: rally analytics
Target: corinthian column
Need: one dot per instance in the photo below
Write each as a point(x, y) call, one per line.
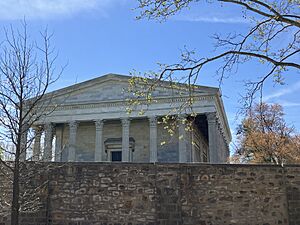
point(182, 136)
point(125, 139)
point(37, 143)
point(212, 137)
point(48, 142)
point(72, 140)
point(58, 143)
point(153, 138)
point(98, 141)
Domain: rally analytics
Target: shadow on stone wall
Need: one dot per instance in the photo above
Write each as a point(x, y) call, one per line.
point(166, 194)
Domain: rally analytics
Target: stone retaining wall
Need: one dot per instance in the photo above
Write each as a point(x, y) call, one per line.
point(166, 194)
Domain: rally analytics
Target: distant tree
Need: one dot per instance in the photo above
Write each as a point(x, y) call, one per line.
point(26, 72)
point(273, 38)
point(264, 137)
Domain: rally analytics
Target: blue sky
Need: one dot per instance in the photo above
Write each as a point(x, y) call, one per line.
point(96, 37)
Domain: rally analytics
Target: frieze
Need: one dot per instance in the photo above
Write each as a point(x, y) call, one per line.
point(124, 103)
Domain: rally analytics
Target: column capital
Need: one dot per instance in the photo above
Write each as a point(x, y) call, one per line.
point(152, 121)
point(182, 118)
point(37, 128)
point(99, 124)
point(211, 117)
point(73, 124)
point(125, 121)
point(48, 126)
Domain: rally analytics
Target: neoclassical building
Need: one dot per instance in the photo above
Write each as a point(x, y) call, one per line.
point(90, 122)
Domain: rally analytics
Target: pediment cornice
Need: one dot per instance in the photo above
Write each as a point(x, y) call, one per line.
point(121, 79)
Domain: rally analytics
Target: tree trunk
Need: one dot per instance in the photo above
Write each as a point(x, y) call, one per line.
point(15, 207)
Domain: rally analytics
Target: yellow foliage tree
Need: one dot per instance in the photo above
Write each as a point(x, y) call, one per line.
point(265, 137)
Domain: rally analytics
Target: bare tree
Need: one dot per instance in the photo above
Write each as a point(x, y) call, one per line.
point(26, 72)
point(273, 39)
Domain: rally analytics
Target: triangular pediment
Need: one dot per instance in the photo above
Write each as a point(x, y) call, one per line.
point(114, 87)
point(108, 90)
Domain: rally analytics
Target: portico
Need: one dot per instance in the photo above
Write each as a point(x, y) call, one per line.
point(91, 123)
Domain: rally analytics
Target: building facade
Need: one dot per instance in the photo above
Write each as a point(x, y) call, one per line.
point(90, 121)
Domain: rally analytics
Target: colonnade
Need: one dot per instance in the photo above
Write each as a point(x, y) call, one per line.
point(49, 129)
point(216, 140)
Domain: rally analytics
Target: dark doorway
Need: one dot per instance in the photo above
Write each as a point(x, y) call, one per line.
point(116, 156)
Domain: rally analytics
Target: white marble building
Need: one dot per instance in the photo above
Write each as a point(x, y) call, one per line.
point(91, 123)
